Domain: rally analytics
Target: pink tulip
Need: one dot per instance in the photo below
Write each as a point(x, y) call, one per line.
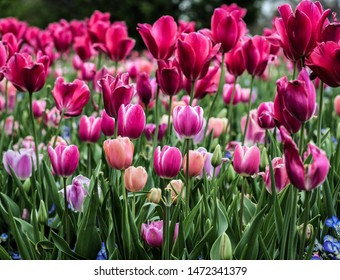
point(116, 91)
point(194, 53)
point(39, 107)
point(328, 31)
point(62, 36)
point(218, 126)
point(117, 43)
point(265, 114)
point(52, 117)
point(228, 90)
point(119, 152)
point(227, 28)
point(337, 105)
point(169, 77)
point(83, 47)
point(70, 98)
point(160, 38)
point(107, 124)
point(254, 134)
point(168, 162)
point(89, 129)
point(196, 163)
point(187, 120)
point(152, 233)
point(280, 175)
point(87, 71)
point(150, 129)
point(26, 75)
point(131, 121)
point(246, 160)
point(235, 61)
point(64, 159)
point(11, 43)
point(135, 178)
point(77, 192)
point(97, 77)
point(3, 59)
point(304, 177)
point(186, 26)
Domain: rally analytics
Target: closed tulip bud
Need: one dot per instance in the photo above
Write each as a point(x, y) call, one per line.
point(77, 192)
point(337, 105)
point(235, 61)
point(264, 158)
point(207, 225)
point(225, 250)
point(107, 124)
point(38, 107)
point(42, 213)
point(154, 195)
point(119, 152)
point(216, 159)
point(265, 114)
point(196, 163)
point(135, 178)
point(231, 175)
point(64, 159)
point(167, 162)
point(27, 185)
point(131, 121)
point(246, 160)
point(308, 233)
point(188, 120)
point(89, 129)
point(176, 189)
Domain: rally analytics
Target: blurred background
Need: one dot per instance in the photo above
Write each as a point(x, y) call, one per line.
point(42, 12)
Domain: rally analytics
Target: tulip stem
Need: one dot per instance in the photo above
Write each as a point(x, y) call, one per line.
point(58, 129)
point(169, 122)
point(302, 130)
point(303, 237)
point(116, 128)
point(192, 92)
point(155, 137)
point(294, 70)
point(320, 114)
point(166, 224)
point(187, 196)
point(242, 204)
point(4, 119)
point(249, 107)
point(230, 108)
point(126, 232)
point(67, 231)
point(218, 93)
point(89, 160)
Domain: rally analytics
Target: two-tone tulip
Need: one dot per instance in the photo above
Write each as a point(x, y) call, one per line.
point(167, 162)
point(89, 129)
point(152, 233)
point(119, 152)
point(280, 175)
point(131, 120)
point(246, 160)
point(77, 191)
point(64, 159)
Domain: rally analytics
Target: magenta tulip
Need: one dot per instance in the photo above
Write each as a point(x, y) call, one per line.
point(227, 92)
point(3, 59)
point(235, 62)
point(187, 120)
point(280, 175)
point(77, 192)
point(255, 133)
point(303, 177)
point(70, 98)
point(194, 53)
point(26, 75)
point(39, 107)
point(116, 91)
point(265, 114)
point(152, 233)
point(169, 77)
point(167, 162)
point(64, 159)
point(107, 124)
point(89, 129)
point(246, 160)
point(131, 121)
point(150, 130)
point(83, 47)
point(144, 88)
point(160, 38)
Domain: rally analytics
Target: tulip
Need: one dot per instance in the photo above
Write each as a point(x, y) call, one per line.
point(176, 188)
point(70, 98)
point(64, 159)
point(11, 126)
point(89, 129)
point(254, 133)
point(131, 121)
point(187, 120)
point(281, 114)
point(83, 47)
point(160, 38)
point(324, 61)
point(77, 192)
point(107, 124)
point(39, 107)
point(246, 160)
point(235, 62)
point(185, 26)
point(152, 233)
point(228, 90)
point(11, 43)
point(3, 59)
point(169, 77)
point(303, 177)
point(119, 152)
point(218, 126)
point(328, 31)
point(194, 53)
point(117, 43)
point(20, 162)
point(208, 167)
point(280, 175)
point(52, 117)
point(256, 55)
point(26, 75)
point(337, 105)
point(299, 97)
point(168, 162)
point(154, 195)
point(265, 114)
point(227, 28)
point(150, 129)
point(97, 77)
point(116, 91)
point(62, 37)
point(144, 88)
point(87, 71)
point(135, 178)
point(196, 163)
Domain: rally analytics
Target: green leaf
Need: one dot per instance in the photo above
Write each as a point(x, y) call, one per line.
point(62, 245)
point(188, 221)
point(199, 246)
point(4, 254)
point(9, 203)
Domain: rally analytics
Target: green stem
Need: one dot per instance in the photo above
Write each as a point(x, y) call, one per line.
point(249, 107)
point(116, 128)
point(218, 93)
point(67, 230)
point(294, 71)
point(58, 129)
point(169, 122)
point(127, 239)
point(89, 160)
point(320, 114)
point(192, 92)
point(6, 99)
point(155, 137)
point(187, 181)
point(116, 68)
point(302, 130)
point(134, 205)
point(303, 238)
point(166, 225)
point(242, 205)
point(230, 108)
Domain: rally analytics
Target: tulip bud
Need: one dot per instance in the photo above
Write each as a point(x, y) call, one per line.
point(264, 158)
point(176, 188)
point(196, 163)
point(231, 175)
point(34, 215)
point(216, 159)
point(135, 178)
point(154, 195)
point(308, 233)
point(42, 213)
point(27, 185)
point(225, 250)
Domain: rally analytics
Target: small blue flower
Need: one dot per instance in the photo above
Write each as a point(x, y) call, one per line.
point(316, 257)
point(331, 221)
point(331, 244)
point(102, 253)
point(15, 256)
point(228, 154)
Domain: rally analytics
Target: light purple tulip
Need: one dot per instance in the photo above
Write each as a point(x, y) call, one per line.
point(64, 159)
point(152, 233)
point(77, 192)
point(246, 160)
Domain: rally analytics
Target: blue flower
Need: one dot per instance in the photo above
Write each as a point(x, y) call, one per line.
point(102, 253)
point(332, 221)
point(15, 256)
point(3, 237)
point(316, 257)
point(331, 244)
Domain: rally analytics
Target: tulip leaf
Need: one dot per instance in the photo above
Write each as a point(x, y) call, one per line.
point(26, 228)
point(188, 221)
point(215, 249)
point(199, 246)
point(3, 254)
point(62, 245)
point(9, 203)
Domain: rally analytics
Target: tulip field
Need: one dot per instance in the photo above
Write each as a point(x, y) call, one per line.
point(212, 144)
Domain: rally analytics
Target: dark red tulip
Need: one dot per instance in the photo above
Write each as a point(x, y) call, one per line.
point(169, 77)
point(144, 88)
point(234, 61)
point(265, 114)
point(83, 47)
